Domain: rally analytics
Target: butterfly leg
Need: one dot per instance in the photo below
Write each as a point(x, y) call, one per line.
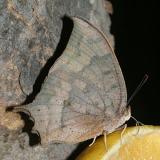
point(138, 123)
point(105, 139)
point(125, 126)
point(94, 139)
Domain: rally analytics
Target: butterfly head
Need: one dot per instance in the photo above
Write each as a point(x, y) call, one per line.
point(119, 119)
point(124, 115)
point(127, 113)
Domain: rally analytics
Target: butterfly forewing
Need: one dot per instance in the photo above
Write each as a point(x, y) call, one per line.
point(84, 89)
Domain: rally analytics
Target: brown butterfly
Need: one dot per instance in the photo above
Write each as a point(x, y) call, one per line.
point(84, 94)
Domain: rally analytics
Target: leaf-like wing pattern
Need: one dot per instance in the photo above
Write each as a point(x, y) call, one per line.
point(84, 93)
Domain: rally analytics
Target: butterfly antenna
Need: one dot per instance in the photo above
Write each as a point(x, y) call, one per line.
point(144, 80)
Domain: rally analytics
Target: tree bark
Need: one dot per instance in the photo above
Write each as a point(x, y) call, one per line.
point(30, 32)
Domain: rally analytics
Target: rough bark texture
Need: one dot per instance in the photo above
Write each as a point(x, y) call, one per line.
point(29, 34)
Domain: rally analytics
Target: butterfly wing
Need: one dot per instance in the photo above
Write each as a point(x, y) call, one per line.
point(84, 87)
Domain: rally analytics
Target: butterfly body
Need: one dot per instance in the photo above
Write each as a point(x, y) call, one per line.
point(84, 94)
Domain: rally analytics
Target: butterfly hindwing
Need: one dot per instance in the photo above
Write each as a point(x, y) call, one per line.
point(84, 89)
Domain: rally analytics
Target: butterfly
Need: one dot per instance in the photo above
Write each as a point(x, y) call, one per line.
point(84, 94)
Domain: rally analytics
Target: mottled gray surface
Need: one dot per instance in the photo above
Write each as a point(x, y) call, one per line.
point(29, 33)
point(14, 146)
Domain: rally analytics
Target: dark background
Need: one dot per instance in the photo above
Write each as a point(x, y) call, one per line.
point(135, 28)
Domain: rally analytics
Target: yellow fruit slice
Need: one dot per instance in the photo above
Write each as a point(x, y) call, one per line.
point(136, 143)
